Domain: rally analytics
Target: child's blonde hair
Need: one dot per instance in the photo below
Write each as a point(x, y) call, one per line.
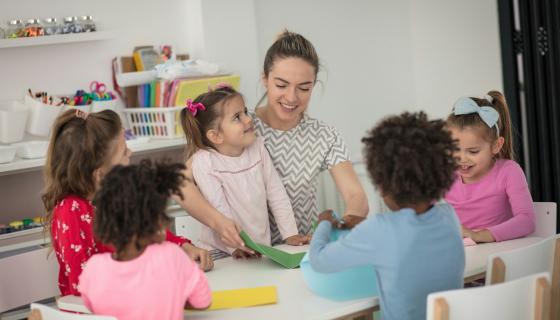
point(473, 120)
point(79, 145)
point(198, 121)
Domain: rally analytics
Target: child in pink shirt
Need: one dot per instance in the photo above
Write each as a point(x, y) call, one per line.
point(234, 172)
point(490, 193)
point(146, 277)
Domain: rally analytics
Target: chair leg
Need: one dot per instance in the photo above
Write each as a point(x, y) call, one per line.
point(555, 286)
point(441, 309)
point(542, 300)
point(498, 271)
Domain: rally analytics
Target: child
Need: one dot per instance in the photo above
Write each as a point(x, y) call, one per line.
point(490, 192)
point(233, 170)
point(417, 248)
point(146, 277)
point(82, 149)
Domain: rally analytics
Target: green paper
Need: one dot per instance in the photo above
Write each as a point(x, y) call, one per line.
point(285, 259)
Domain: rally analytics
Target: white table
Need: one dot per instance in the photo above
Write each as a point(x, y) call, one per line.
point(476, 257)
point(295, 300)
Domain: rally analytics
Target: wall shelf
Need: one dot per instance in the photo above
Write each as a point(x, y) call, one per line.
point(22, 165)
point(56, 39)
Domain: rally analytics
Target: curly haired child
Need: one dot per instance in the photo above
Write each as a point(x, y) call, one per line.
point(145, 277)
point(416, 249)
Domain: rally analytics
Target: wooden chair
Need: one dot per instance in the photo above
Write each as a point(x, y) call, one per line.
point(543, 256)
point(524, 299)
point(545, 213)
point(48, 313)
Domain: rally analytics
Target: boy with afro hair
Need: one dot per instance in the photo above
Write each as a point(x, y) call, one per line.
point(417, 248)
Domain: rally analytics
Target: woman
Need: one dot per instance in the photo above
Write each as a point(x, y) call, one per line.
point(300, 147)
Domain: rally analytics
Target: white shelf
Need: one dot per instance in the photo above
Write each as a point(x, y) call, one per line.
point(56, 39)
point(22, 165)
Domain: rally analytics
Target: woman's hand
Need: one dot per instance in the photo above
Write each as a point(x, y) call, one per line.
point(200, 256)
point(298, 240)
point(240, 254)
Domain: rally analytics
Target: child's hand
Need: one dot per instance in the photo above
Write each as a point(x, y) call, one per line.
point(298, 240)
point(240, 254)
point(35, 315)
point(349, 221)
point(200, 256)
point(466, 232)
point(327, 215)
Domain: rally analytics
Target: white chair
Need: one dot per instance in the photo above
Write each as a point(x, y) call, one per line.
point(48, 313)
point(543, 256)
point(524, 299)
point(545, 214)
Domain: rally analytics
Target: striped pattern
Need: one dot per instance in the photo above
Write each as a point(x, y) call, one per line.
point(299, 155)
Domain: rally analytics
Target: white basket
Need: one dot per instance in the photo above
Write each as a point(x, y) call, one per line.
point(13, 117)
point(41, 116)
point(100, 105)
point(154, 122)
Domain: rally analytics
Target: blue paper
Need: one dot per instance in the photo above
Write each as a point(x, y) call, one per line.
point(350, 284)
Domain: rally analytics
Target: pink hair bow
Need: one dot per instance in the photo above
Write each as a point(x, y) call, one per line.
point(194, 107)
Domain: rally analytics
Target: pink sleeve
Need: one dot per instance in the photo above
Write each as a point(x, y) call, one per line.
point(523, 221)
point(210, 186)
point(195, 283)
point(278, 201)
point(200, 297)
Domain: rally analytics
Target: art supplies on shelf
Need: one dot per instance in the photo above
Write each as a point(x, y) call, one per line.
point(285, 259)
point(146, 58)
point(240, 298)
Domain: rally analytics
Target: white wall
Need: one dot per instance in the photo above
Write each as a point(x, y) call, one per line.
point(456, 51)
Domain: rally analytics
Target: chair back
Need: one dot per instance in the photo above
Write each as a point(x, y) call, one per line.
point(48, 313)
point(524, 299)
point(545, 214)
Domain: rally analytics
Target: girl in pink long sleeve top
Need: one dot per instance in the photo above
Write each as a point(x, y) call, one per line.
point(233, 170)
point(490, 193)
point(145, 277)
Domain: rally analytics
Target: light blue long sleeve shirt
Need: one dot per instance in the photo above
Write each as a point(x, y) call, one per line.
point(413, 256)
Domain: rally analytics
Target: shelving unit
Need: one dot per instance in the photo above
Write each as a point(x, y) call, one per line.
point(56, 39)
point(23, 165)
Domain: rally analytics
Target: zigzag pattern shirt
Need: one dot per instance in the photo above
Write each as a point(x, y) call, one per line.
point(299, 155)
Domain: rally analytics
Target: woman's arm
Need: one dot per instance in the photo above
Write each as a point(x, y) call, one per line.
point(349, 186)
point(198, 207)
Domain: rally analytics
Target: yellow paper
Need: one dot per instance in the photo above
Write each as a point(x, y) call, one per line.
point(192, 88)
point(239, 298)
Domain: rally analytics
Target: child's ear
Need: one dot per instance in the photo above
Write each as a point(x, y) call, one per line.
point(98, 176)
point(497, 146)
point(214, 136)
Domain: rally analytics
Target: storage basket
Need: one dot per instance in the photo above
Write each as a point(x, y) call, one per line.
point(154, 122)
point(13, 118)
point(41, 116)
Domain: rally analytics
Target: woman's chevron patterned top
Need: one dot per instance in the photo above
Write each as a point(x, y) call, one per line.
point(299, 155)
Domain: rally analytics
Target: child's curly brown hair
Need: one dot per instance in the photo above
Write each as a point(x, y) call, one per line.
point(410, 158)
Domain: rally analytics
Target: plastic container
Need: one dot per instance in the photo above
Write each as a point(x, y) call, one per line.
point(41, 116)
point(350, 284)
point(51, 27)
point(100, 105)
point(15, 29)
point(7, 154)
point(13, 118)
point(31, 149)
point(33, 28)
point(154, 122)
